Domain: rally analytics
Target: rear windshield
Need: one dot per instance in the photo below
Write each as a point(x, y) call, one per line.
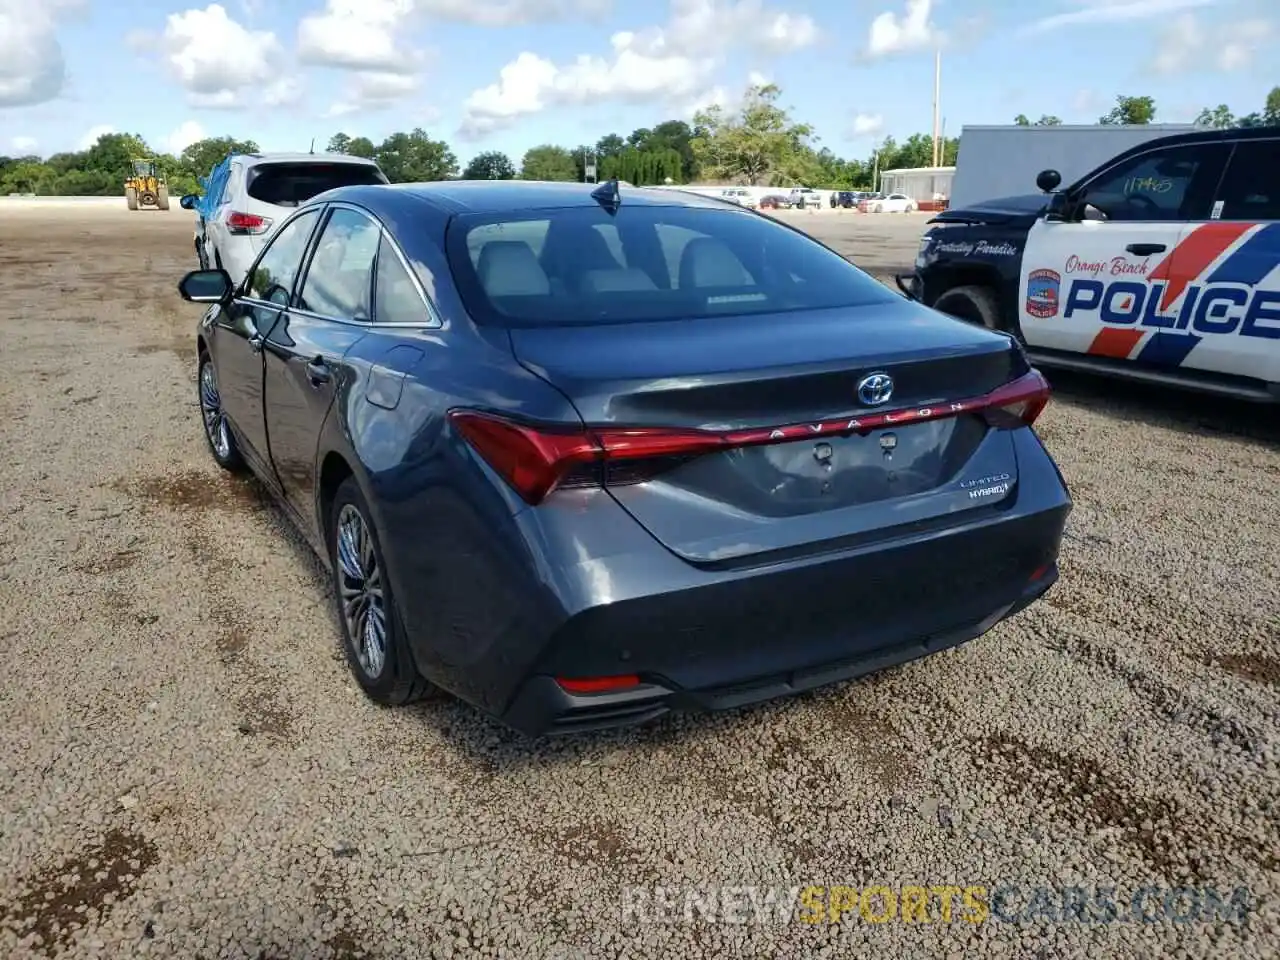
point(582, 265)
point(289, 184)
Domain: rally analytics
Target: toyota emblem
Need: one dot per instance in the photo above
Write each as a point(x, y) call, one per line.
point(875, 389)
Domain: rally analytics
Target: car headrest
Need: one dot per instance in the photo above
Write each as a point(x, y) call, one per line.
point(508, 268)
point(708, 262)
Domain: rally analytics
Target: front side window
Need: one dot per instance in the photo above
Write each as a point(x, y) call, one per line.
point(579, 265)
point(273, 276)
point(1164, 185)
point(340, 278)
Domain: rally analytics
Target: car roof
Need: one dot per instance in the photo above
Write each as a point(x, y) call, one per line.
point(253, 159)
point(499, 196)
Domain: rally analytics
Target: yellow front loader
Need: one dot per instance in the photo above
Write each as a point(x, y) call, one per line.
point(146, 186)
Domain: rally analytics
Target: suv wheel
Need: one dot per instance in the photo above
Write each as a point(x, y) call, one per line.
point(974, 304)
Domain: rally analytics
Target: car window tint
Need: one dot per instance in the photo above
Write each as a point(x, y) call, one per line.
point(1251, 188)
point(273, 276)
point(340, 277)
point(397, 299)
point(644, 263)
point(1155, 186)
point(291, 184)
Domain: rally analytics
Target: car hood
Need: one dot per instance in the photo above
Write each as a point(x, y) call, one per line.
point(1002, 210)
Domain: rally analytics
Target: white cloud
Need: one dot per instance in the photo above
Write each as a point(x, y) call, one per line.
point(32, 67)
point(912, 30)
point(223, 65)
point(1185, 45)
point(672, 63)
point(867, 124)
point(92, 134)
point(183, 136)
point(1112, 11)
point(373, 91)
point(509, 13)
point(358, 35)
point(24, 146)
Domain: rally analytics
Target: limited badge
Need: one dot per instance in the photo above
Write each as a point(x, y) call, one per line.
point(1042, 293)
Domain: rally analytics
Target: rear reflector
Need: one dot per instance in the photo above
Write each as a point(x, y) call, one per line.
point(535, 460)
point(598, 684)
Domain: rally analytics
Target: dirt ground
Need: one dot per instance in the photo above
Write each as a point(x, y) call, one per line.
point(187, 769)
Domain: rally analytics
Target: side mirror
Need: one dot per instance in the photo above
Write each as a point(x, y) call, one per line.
point(205, 286)
point(188, 202)
point(1048, 180)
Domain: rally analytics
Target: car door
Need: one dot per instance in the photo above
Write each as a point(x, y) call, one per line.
point(330, 312)
point(236, 346)
point(1233, 304)
point(216, 229)
point(1088, 279)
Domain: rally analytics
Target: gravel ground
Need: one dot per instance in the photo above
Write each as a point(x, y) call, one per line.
point(187, 770)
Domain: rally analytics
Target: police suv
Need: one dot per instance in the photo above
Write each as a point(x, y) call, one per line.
point(1162, 265)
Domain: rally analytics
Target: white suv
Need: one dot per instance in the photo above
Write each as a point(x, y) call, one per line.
point(805, 197)
point(259, 191)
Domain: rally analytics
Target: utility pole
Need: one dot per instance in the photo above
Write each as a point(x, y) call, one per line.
point(937, 97)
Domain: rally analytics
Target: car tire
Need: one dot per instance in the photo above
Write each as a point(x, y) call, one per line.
point(973, 304)
point(217, 432)
point(366, 606)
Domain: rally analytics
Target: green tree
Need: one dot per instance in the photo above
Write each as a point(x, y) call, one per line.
point(1219, 117)
point(338, 143)
point(1046, 120)
point(548, 162)
point(490, 165)
point(760, 140)
point(414, 158)
point(609, 145)
point(361, 147)
point(203, 155)
point(1131, 110)
point(1268, 116)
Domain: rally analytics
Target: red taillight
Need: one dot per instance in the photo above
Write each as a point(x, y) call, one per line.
point(536, 460)
point(1018, 403)
point(598, 684)
point(247, 223)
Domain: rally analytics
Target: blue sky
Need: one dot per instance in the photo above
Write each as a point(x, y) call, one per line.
point(508, 74)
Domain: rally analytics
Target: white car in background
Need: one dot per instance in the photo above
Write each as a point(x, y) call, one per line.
point(893, 203)
point(805, 197)
point(740, 196)
point(263, 189)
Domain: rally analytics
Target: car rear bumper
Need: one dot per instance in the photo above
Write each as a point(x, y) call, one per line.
point(782, 631)
point(544, 708)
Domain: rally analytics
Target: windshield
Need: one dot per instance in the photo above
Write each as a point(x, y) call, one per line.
point(581, 265)
point(289, 184)
point(142, 168)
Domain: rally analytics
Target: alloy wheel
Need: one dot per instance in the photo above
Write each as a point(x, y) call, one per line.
point(361, 587)
point(215, 421)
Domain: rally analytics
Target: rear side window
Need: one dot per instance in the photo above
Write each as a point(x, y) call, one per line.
point(290, 184)
point(1251, 188)
point(581, 265)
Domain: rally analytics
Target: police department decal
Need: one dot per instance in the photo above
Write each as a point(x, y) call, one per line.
point(1042, 293)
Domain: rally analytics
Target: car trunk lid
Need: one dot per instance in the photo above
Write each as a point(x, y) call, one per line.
point(744, 438)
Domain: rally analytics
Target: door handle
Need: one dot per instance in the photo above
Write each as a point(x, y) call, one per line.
point(1145, 249)
point(318, 372)
point(255, 342)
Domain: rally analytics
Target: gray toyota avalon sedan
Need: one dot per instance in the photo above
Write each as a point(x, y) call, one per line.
point(581, 455)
